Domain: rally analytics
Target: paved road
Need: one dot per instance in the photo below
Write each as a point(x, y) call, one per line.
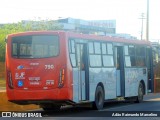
point(151, 105)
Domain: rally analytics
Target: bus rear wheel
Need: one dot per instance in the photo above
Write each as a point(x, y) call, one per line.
point(99, 98)
point(140, 93)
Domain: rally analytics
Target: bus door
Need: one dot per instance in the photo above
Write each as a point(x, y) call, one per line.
point(119, 57)
point(83, 71)
point(149, 57)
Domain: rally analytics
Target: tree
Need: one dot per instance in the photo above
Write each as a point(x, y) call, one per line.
point(22, 27)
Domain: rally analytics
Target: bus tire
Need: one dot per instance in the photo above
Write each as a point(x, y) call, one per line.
point(99, 98)
point(140, 93)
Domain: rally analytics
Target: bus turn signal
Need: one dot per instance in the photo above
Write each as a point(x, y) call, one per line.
point(61, 78)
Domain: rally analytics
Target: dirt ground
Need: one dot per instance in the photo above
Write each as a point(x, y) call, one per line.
point(8, 106)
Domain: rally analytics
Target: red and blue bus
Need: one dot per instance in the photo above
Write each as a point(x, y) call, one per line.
point(55, 68)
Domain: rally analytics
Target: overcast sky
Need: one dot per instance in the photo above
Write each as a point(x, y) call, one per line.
point(125, 12)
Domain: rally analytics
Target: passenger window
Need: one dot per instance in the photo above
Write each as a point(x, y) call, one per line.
point(72, 52)
point(108, 60)
point(95, 54)
point(126, 50)
point(140, 56)
point(128, 61)
point(130, 55)
point(104, 49)
point(73, 59)
point(14, 49)
point(95, 60)
point(109, 48)
point(91, 48)
point(107, 55)
point(72, 46)
point(97, 48)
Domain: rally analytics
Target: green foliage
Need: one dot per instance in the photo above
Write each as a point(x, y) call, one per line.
point(22, 27)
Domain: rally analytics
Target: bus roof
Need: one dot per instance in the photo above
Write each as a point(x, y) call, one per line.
point(85, 36)
point(108, 38)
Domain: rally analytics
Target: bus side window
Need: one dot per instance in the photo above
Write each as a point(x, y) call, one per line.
point(83, 60)
point(117, 59)
point(72, 52)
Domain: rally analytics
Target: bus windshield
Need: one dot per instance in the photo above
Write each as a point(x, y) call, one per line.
point(35, 46)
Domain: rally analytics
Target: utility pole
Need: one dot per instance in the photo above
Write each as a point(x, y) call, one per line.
point(147, 22)
point(142, 18)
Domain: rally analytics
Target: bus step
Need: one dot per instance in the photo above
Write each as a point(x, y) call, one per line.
point(120, 99)
point(84, 101)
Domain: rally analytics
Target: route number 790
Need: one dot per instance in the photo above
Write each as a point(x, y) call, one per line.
point(49, 66)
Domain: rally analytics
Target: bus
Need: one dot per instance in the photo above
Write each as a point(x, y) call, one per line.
point(57, 68)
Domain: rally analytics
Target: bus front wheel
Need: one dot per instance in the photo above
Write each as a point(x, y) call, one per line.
point(99, 98)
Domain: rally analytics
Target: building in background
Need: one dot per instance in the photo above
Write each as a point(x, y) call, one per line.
point(123, 35)
point(99, 27)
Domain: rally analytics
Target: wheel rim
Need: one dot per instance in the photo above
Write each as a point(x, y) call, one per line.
point(100, 98)
point(140, 96)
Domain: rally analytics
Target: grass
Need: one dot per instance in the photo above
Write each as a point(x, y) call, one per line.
point(2, 75)
point(2, 69)
point(2, 83)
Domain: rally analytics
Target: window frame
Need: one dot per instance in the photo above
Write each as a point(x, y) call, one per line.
point(108, 54)
point(18, 43)
point(72, 52)
point(141, 56)
point(94, 53)
point(130, 55)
